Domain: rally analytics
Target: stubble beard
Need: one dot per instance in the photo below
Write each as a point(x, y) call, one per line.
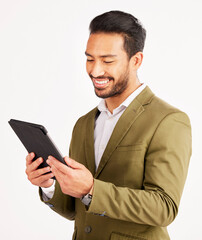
point(117, 89)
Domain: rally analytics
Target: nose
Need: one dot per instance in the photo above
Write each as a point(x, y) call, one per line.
point(97, 70)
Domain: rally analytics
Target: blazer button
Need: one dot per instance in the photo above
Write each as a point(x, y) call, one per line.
point(88, 229)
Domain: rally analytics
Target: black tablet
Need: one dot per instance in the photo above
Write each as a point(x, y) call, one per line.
point(35, 138)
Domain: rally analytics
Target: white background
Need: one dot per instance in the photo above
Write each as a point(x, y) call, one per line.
point(43, 80)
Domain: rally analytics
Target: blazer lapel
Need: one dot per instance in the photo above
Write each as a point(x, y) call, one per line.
point(126, 120)
point(89, 141)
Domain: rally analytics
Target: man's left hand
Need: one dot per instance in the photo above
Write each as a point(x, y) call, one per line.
point(75, 179)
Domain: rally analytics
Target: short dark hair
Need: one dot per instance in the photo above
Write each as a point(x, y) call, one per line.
point(126, 24)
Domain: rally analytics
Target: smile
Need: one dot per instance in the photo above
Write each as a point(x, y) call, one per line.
point(101, 82)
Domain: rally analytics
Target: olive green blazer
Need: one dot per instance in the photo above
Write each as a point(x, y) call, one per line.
point(140, 179)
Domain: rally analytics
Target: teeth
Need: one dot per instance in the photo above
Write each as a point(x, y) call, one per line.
point(102, 82)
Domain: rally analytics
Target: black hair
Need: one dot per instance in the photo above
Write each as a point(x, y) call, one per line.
point(126, 24)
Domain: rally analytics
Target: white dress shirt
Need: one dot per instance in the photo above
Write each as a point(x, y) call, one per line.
point(106, 121)
point(104, 126)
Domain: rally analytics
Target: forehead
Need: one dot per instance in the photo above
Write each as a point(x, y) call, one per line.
point(105, 43)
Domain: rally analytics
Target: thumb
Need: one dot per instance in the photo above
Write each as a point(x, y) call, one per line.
point(72, 163)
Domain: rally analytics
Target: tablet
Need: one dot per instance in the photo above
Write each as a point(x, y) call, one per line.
point(35, 138)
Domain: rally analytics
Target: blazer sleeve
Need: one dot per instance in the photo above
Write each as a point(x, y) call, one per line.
point(61, 203)
point(166, 165)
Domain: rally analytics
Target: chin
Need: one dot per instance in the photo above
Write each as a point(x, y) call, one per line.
point(100, 94)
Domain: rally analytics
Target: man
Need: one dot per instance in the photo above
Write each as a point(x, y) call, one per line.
point(129, 156)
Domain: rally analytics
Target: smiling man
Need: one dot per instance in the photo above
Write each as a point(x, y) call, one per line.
point(129, 156)
point(112, 72)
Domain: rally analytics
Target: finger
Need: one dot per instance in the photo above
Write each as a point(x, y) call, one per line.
point(72, 163)
point(34, 165)
point(60, 166)
point(58, 174)
point(39, 172)
point(38, 181)
point(29, 158)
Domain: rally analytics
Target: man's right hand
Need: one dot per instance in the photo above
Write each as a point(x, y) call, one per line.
point(37, 176)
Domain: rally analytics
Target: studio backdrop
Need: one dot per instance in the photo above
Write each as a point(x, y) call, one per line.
point(44, 81)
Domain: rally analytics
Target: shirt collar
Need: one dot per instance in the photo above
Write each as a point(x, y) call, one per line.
point(102, 105)
point(133, 95)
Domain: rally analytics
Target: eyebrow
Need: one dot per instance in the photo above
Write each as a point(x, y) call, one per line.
point(102, 56)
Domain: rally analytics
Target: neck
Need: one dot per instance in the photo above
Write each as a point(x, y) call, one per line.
point(115, 101)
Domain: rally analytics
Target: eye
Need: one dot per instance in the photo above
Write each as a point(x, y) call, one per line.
point(90, 60)
point(108, 61)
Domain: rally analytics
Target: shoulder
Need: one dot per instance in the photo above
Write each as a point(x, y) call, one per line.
point(86, 119)
point(159, 109)
point(167, 111)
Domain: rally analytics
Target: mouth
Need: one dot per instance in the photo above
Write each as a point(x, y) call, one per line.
point(101, 83)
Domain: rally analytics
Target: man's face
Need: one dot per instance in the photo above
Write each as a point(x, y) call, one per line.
point(107, 64)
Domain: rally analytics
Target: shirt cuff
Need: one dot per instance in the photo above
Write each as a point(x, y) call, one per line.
point(47, 193)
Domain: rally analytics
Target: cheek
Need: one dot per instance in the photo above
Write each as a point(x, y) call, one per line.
point(116, 71)
point(113, 69)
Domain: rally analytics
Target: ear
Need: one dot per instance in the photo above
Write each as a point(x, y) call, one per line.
point(136, 60)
